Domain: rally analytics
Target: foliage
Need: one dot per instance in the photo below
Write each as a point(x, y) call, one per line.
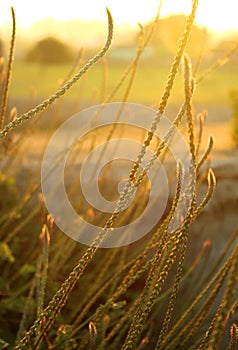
point(9, 193)
point(55, 293)
point(167, 35)
point(50, 50)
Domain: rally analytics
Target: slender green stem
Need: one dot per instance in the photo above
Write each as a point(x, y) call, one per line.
point(9, 71)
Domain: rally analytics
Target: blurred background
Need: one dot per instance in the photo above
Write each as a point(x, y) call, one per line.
point(53, 37)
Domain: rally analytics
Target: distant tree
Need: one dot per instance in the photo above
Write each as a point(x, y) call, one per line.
point(169, 30)
point(50, 51)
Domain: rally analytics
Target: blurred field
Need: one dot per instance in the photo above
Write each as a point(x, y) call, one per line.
point(31, 80)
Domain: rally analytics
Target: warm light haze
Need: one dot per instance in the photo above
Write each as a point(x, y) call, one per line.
point(215, 15)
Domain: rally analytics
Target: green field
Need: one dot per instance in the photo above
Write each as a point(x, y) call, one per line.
point(41, 81)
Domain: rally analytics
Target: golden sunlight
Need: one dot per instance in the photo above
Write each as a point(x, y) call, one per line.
point(213, 14)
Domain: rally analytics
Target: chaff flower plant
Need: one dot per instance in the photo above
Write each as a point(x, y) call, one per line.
point(67, 296)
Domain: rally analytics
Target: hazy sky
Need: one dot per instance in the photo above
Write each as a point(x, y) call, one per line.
point(215, 14)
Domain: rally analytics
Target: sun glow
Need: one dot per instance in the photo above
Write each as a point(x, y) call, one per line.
point(213, 14)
